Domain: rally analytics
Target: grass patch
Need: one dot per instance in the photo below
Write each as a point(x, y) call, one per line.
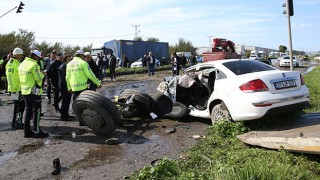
point(312, 80)
point(222, 156)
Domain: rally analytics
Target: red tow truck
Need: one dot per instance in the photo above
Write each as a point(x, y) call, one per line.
point(221, 49)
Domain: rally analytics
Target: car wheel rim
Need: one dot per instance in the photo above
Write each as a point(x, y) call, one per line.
point(219, 115)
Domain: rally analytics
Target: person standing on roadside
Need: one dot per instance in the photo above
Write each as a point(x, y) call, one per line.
point(175, 60)
point(112, 66)
point(66, 95)
point(46, 67)
point(99, 64)
point(183, 62)
point(144, 60)
point(150, 63)
point(31, 89)
point(94, 68)
point(14, 87)
point(53, 74)
point(125, 61)
point(192, 59)
point(78, 73)
point(5, 59)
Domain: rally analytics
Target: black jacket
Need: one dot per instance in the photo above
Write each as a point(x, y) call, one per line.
point(95, 69)
point(53, 73)
point(62, 78)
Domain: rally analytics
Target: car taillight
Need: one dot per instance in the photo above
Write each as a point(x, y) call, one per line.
point(254, 86)
point(302, 80)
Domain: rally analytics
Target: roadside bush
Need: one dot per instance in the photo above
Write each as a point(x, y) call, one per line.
point(222, 156)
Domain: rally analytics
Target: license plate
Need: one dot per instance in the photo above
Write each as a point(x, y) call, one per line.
point(285, 84)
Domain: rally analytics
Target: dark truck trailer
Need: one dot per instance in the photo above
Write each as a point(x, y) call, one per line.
point(134, 50)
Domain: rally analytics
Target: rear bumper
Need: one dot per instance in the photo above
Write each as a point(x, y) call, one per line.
point(286, 109)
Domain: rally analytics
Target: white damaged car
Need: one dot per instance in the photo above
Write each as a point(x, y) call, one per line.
point(237, 90)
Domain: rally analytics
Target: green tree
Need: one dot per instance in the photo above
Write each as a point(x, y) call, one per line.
point(282, 48)
point(182, 46)
point(25, 40)
point(44, 47)
point(7, 42)
point(247, 53)
point(87, 48)
point(152, 39)
point(138, 39)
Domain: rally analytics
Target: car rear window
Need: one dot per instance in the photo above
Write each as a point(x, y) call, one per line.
point(247, 66)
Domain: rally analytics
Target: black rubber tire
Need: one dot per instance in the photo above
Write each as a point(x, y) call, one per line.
point(179, 111)
point(126, 93)
point(97, 112)
point(162, 105)
point(109, 105)
point(144, 102)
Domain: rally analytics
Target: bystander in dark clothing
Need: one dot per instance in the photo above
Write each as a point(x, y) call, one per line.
point(46, 67)
point(53, 74)
point(125, 61)
point(95, 69)
point(66, 95)
point(192, 59)
point(175, 60)
point(150, 63)
point(144, 60)
point(99, 63)
point(183, 62)
point(112, 66)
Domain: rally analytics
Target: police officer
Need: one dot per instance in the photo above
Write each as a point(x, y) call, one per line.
point(14, 88)
point(78, 73)
point(31, 88)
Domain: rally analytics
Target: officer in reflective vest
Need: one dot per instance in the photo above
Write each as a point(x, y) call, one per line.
point(78, 73)
point(31, 88)
point(14, 88)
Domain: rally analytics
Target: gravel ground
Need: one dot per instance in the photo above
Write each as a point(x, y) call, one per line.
point(85, 155)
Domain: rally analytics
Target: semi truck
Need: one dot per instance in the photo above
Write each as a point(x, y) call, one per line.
point(132, 49)
point(221, 49)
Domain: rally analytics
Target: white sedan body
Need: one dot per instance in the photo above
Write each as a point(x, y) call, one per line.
point(285, 61)
point(248, 90)
point(138, 63)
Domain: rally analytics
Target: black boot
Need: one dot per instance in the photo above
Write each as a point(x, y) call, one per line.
point(41, 134)
point(56, 167)
point(28, 133)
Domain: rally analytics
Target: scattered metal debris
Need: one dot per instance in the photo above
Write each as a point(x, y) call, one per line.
point(112, 141)
point(170, 130)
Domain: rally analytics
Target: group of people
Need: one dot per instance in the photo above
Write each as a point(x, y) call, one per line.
point(26, 76)
point(180, 62)
point(106, 62)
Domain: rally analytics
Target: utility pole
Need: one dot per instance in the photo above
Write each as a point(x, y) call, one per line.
point(289, 12)
point(210, 41)
point(136, 31)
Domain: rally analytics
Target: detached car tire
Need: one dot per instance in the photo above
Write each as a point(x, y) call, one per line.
point(127, 93)
point(97, 112)
point(144, 102)
point(179, 111)
point(162, 105)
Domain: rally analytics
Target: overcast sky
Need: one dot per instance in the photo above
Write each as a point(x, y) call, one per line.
point(248, 22)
